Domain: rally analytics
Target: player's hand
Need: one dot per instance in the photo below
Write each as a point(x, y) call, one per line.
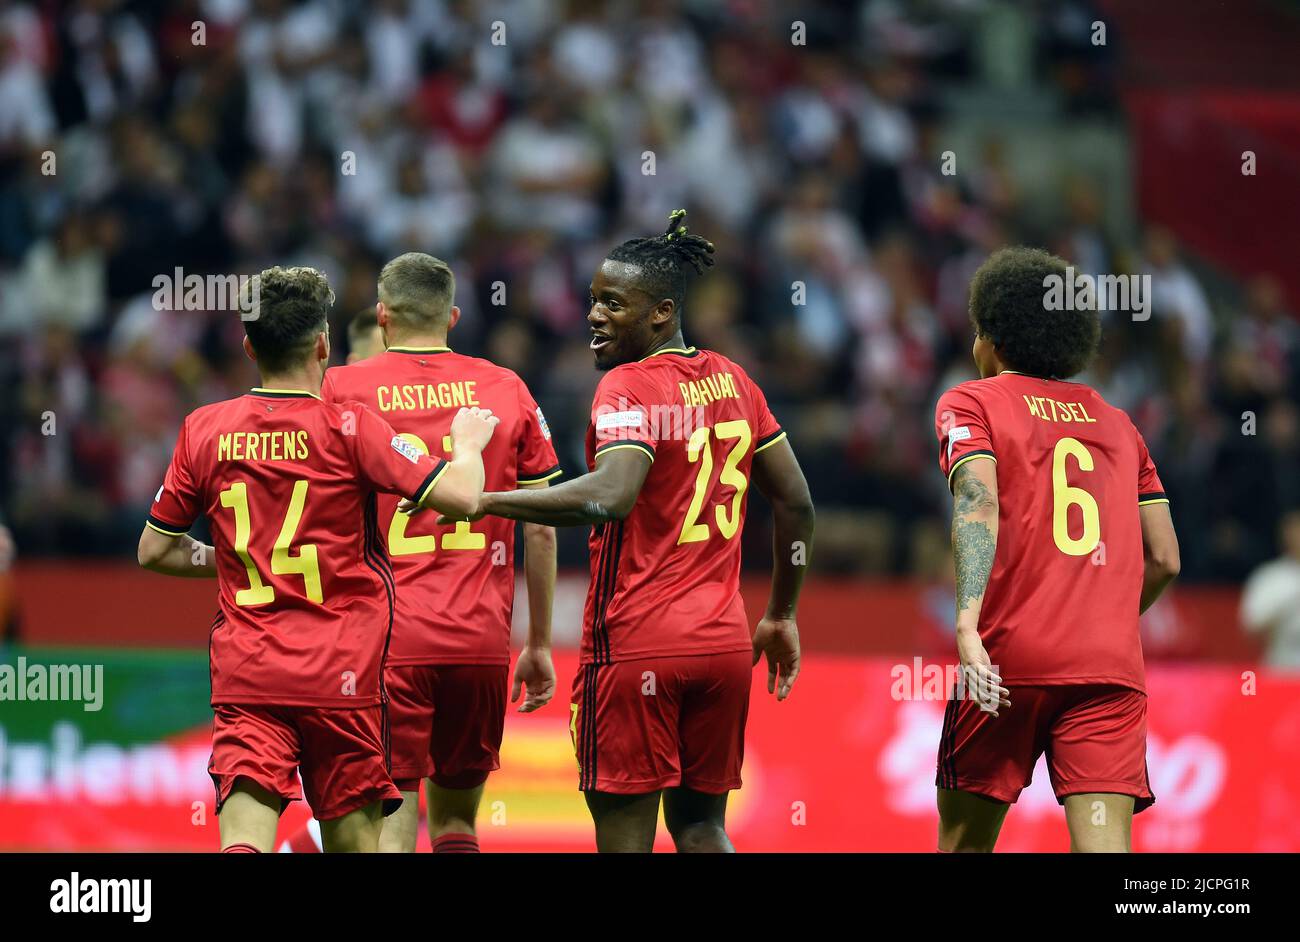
point(535, 672)
point(982, 681)
point(472, 428)
point(778, 639)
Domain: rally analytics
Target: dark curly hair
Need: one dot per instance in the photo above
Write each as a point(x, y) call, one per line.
point(663, 259)
point(1007, 307)
point(285, 309)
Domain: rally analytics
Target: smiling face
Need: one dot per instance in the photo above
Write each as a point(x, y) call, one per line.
point(625, 321)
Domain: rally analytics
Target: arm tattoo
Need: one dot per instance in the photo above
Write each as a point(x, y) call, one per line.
point(973, 544)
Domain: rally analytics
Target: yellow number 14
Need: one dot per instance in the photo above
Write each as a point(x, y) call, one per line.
point(305, 563)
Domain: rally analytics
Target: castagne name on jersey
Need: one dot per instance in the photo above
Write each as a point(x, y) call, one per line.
point(427, 396)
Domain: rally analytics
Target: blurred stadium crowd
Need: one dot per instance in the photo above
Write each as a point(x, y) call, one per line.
point(340, 134)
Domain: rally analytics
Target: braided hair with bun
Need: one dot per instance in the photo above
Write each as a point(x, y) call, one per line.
point(663, 259)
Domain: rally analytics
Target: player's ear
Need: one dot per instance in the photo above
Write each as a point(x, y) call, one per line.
point(453, 317)
point(663, 312)
point(323, 345)
point(248, 349)
point(381, 315)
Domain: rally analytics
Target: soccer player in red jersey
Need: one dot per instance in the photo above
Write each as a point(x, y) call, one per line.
point(288, 484)
point(449, 661)
point(1061, 536)
point(676, 436)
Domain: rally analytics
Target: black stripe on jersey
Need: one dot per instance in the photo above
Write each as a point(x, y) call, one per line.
point(583, 744)
point(1154, 495)
point(172, 529)
point(768, 439)
point(281, 394)
point(540, 476)
point(377, 560)
point(217, 622)
point(947, 779)
point(600, 631)
point(624, 442)
point(429, 479)
point(587, 781)
point(601, 587)
point(598, 635)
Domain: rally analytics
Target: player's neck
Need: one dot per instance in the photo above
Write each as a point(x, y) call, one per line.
point(675, 342)
point(307, 379)
point(420, 341)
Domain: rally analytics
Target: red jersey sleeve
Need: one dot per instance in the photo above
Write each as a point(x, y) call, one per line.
point(767, 430)
point(386, 461)
point(1150, 490)
point(536, 460)
point(177, 505)
point(624, 412)
point(962, 429)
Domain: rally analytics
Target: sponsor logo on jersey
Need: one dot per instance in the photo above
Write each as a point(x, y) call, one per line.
point(955, 435)
point(630, 419)
point(406, 449)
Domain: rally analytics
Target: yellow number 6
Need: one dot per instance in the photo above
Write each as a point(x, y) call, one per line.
point(1063, 495)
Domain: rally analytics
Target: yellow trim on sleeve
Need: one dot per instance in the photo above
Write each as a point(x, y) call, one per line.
point(295, 392)
point(1154, 500)
point(962, 461)
point(641, 448)
point(687, 350)
point(779, 438)
point(546, 477)
point(436, 478)
point(153, 526)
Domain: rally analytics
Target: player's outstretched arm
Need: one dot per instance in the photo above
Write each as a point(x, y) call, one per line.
point(608, 493)
point(974, 545)
point(176, 555)
point(534, 671)
point(1159, 550)
point(459, 489)
point(777, 475)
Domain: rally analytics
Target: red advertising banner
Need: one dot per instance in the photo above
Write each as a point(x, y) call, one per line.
point(836, 616)
point(841, 766)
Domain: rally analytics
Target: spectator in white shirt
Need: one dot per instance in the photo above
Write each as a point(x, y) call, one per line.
point(1270, 603)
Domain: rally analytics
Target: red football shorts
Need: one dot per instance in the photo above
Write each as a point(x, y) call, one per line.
point(340, 754)
point(661, 722)
point(1095, 738)
point(447, 722)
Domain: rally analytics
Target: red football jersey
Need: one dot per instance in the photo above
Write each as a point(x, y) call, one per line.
point(288, 484)
point(455, 584)
point(1062, 600)
point(666, 579)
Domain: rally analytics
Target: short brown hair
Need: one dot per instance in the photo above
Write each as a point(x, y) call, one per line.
point(417, 289)
point(286, 309)
point(363, 321)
